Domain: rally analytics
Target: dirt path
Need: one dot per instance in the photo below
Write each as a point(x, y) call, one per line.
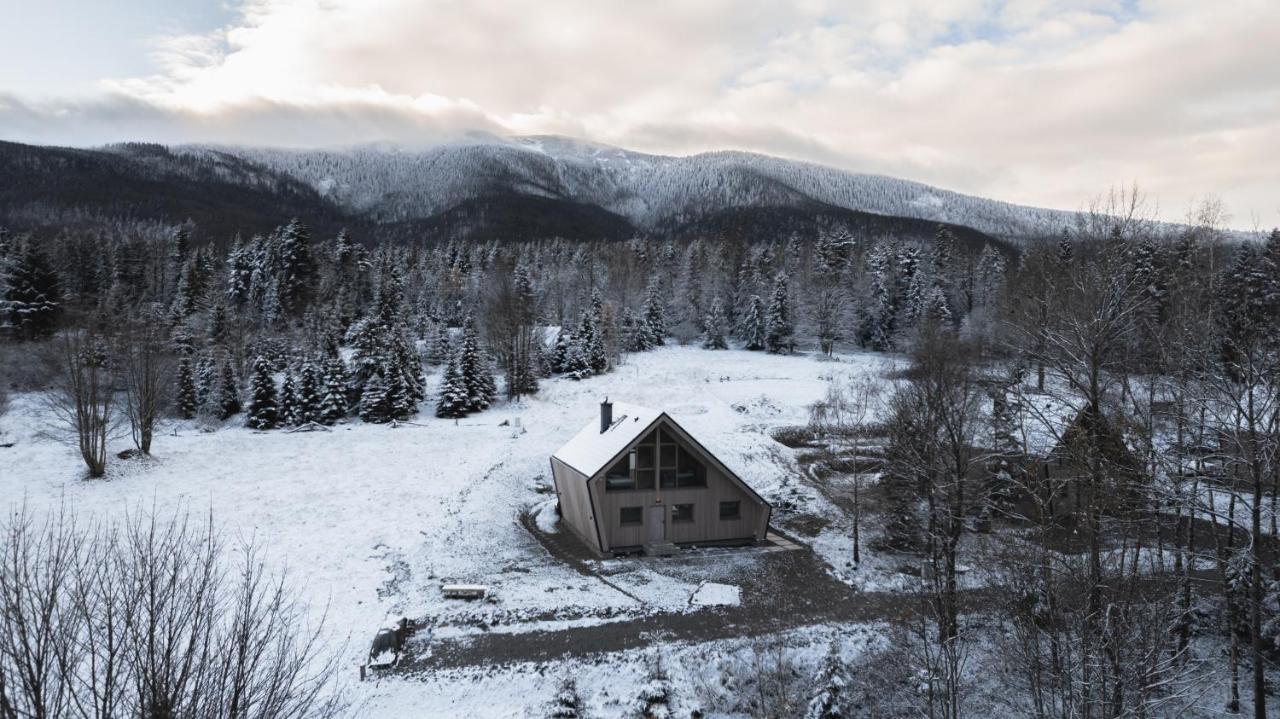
point(787, 590)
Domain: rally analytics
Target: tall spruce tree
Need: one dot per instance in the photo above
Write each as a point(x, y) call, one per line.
point(373, 400)
point(290, 406)
point(263, 411)
point(228, 392)
point(655, 312)
point(333, 402)
point(779, 333)
point(32, 305)
point(309, 393)
point(187, 401)
point(754, 327)
point(473, 367)
point(453, 399)
point(713, 327)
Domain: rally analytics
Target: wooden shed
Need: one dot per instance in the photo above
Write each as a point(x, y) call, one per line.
point(636, 480)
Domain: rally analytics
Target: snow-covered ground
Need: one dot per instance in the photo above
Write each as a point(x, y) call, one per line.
point(372, 519)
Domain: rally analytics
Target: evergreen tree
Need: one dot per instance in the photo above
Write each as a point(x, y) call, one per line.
point(263, 412)
point(828, 699)
point(333, 402)
point(32, 304)
point(566, 701)
point(473, 367)
point(713, 327)
point(310, 393)
point(779, 329)
point(454, 400)
point(754, 325)
point(373, 400)
point(239, 272)
point(290, 405)
point(187, 401)
point(655, 313)
point(594, 348)
point(296, 268)
point(654, 701)
point(218, 325)
point(439, 350)
point(562, 355)
point(228, 393)
point(206, 381)
point(1066, 251)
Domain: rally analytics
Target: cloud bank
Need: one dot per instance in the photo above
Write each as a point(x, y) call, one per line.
point(1044, 102)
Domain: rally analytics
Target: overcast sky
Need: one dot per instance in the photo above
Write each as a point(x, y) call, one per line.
point(1044, 102)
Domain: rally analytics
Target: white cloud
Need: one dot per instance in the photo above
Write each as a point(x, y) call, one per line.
point(1039, 101)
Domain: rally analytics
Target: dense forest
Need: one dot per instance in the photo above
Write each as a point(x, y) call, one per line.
point(1164, 343)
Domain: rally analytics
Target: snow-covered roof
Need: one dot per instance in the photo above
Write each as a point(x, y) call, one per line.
point(590, 449)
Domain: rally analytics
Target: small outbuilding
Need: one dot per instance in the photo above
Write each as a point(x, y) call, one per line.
point(636, 480)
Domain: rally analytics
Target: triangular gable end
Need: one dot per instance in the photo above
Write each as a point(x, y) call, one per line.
point(687, 439)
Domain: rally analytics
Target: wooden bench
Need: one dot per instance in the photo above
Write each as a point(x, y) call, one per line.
point(464, 591)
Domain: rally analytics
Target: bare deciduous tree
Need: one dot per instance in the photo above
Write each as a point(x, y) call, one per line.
point(83, 403)
point(151, 618)
point(146, 372)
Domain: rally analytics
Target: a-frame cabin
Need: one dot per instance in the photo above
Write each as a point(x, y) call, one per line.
point(636, 480)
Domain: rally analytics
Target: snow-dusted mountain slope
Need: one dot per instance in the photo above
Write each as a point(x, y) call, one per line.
point(654, 192)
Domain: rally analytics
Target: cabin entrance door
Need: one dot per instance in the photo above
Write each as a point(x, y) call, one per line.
point(657, 524)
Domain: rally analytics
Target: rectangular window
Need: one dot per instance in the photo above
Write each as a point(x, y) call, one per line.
point(632, 516)
point(730, 510)
point(682, 513)
point(644, 457)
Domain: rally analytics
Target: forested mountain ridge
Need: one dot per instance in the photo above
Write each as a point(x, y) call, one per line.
point(659, 194)
point(483, 189)
point(129, 184)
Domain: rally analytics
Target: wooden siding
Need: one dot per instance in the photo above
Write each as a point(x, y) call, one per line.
point(706, 525)
point(575, 506)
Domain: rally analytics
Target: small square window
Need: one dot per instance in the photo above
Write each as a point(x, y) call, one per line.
point(731, 510)
point(632, 515)
point(682, 513)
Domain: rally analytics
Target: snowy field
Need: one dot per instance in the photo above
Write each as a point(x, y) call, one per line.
point(372, 519)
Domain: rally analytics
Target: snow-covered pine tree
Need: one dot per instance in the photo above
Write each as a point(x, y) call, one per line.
point(881, 317)
point(263, 411)
point(439, 351)
point(295, 266)
point(333, 401)
point(290, 406)
point(310, 393)
point(655, 312)
point(218, 325)
point(754, 324)
point(373, 400)
point(594, 348)
point(453, 401)
point(401, 401)
point(206, 382)
point(713, 327)
point(654, 701)
point(779, 333)
point(187, 401)
point(473, 367)
point(228, 392)
point(33, 303)
point(937, 308)
point(1066, 250)
point(562, 352)
point(566, 703)
point(828, 698)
